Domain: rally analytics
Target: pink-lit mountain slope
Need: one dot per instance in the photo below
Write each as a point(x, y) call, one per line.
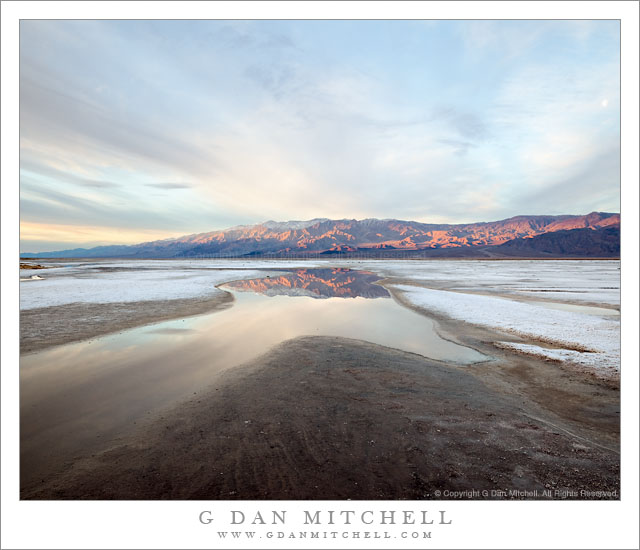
point(599, 237)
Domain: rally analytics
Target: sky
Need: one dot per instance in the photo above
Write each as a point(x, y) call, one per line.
point(132, 131)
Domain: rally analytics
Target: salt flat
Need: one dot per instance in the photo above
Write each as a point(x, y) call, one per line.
point(523, 297)
point(520, 297)
point(590, 281)
point(344, 393)
point(107, 283)
point(588, 340)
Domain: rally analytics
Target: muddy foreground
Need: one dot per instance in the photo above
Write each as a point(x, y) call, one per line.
point(330, 418)
point(45, 327)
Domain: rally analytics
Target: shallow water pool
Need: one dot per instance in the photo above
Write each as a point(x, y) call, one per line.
point(76, 396)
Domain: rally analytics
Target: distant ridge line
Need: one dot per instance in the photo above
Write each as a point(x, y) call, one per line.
point(592, 235)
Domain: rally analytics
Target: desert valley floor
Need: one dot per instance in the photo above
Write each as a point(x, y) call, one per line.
point(213, 379)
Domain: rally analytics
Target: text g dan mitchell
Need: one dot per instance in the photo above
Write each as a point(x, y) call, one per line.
point(330, 517)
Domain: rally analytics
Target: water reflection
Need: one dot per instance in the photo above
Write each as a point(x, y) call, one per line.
point(315, 283)
point(77, 398)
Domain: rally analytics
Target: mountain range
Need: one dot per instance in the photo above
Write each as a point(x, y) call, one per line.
point(593, 235)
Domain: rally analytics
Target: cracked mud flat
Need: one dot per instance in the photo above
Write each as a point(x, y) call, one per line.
point(331, 418)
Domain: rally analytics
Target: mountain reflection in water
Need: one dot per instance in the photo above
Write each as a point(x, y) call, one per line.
point(77, 397)
point(316, 283)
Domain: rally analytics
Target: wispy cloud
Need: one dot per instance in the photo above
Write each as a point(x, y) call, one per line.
point(74, 233)
point(98, 184)
point(451, 121)
point(169, 185)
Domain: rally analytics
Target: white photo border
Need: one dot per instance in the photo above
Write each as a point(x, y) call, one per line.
point(151, 524)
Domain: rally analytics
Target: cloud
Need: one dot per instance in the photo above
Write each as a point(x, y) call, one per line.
point(460, 148)
point(39, 167)
point(72, 128)
point(277, 79)
point(244, 35)
point(294, 120)
point(506, 39)
point(583, 186)
point(41, 202)
point(48, 237)
point(550, 122)
point(97, 184)
point(170, 185)
point(467, 124)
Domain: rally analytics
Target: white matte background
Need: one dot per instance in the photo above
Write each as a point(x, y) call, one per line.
point(175, 524)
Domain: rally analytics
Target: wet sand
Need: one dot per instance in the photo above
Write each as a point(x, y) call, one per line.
point(43, 328)
point(477, 336)
point(330, 418)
